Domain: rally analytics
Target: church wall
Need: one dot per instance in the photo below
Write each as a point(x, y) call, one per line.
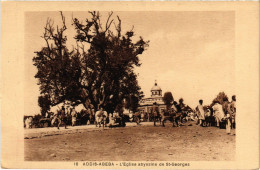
point(146, 104)
point(149, 109)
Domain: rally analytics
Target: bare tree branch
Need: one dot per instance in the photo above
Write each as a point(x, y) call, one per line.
point(108, 19)
point(118, 27)
point(63, 21)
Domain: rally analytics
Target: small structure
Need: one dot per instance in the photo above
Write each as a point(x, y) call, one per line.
point(146, 104)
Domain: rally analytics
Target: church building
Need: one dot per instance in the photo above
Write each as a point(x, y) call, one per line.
point(146, 104)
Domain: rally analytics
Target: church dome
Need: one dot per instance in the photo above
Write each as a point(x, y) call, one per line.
point(156, 88)
point(156, 91)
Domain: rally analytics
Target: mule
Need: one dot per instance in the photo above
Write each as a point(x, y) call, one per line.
point(166, 116)
point(172, 116)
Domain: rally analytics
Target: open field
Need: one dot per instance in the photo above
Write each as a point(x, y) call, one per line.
point(131, 143)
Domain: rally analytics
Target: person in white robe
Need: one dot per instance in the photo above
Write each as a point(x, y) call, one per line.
point(218, 112)
point(200, 112)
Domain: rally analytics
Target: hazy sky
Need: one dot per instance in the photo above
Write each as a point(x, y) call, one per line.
point(191, 54)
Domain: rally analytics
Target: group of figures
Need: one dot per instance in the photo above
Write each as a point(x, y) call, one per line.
point(101, 118)
point(63, 116)
point(177, 114)
point(218, 114)
point(113, 119)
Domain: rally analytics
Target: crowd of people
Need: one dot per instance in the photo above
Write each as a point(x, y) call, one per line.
point(69, 116)
point(63, 116)
point(222, 115)
point(218, 114)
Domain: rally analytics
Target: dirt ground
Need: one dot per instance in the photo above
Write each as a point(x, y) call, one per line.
point(132, 143)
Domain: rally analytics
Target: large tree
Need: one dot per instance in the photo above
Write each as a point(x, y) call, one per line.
point(168, 99)
point(102, 74)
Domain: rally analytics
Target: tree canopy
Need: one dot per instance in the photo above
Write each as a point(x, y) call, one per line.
point(100, 75)
point(168, 99)
point(220, 97)
point(44, 103)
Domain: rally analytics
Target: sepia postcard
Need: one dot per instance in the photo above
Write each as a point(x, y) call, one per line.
point(130, 85)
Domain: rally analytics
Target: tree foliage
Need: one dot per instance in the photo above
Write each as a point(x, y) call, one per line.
point(44, 103)
point(168, 99)
point(103, 74)
point(132, 102)
point(220, 98)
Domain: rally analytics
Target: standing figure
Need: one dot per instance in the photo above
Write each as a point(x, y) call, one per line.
point(227, 115)
point(233, 112)
point(218, 112)
point(73, 117)
point(100, 117)
point(177, 114)
point(155, 112)
point(208, 117)
point(200, 112)
point(181, 108)
point(62, 118)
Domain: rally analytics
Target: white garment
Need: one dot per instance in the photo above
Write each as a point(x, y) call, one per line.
point(218, 111)
point(201, 112)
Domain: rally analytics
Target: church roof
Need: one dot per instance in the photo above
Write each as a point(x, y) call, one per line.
point(156, 88)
